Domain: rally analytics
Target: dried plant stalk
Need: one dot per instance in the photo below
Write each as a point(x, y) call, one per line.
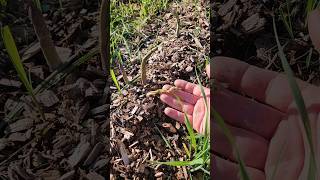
point(44, 37)
point(104, 35)
point(144, 63)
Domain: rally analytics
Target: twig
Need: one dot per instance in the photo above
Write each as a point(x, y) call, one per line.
point(44, 37)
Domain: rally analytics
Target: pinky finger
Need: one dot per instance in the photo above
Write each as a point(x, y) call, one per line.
point(177, 115)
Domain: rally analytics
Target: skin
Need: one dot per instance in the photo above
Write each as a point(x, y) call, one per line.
point(259, 109)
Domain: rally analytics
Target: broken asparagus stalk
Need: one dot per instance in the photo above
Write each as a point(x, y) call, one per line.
point(161, 91)
point(144, 63)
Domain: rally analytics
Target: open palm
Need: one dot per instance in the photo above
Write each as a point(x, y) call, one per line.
point(260, 111)
point(268, 130)
point(191, 102)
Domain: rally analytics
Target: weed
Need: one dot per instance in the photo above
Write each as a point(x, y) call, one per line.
point(16, 61)
point(286, 17)
point(311, 5)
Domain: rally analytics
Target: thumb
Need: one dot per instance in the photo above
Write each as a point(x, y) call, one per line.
point(314, 28)
point(208, 70)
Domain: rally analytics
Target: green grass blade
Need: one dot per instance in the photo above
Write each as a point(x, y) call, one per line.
point(180, 163)
point(190, 132)
point(299, 102)
point(243, 173)
point(17, 63)
point(162, 136)
point(114, 79)
point(308, 60)
point(15, 57)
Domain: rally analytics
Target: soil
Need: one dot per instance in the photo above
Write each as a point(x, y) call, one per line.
point(244, 30)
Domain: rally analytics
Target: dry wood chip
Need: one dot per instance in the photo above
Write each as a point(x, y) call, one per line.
point(12, 174)
point(21, 137)
point(80, 152)
point(83, 111)
point(100, 164)
point(20, 125)
point(10, 83)
point(68, 176)
point(123, 152)
point(100, 109)
point(37, 71)
point(23, 173)
point(10, 105)
point(226, 7)
point(64, 53)
point(94, 154)
point(48, 98)
point(32, 50)
point(50, 175)
point(4, 143)
point(253, 23)
point(134, 110)
point(94, 176)
point(189, 69)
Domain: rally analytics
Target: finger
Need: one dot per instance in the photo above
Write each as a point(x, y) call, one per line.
point(313, 117)
point(245, 113)
point(286, 153)
point(266, 86)
point(314, 27)
point(191, 87)
point(199, 113)
point(177, 115)
point(208, 70)
point(183, 95)
point(230, 171)
point(247, 143)
point(176, 104)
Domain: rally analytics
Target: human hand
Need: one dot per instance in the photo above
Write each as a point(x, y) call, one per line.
point(192, 103)
point(268, 131)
